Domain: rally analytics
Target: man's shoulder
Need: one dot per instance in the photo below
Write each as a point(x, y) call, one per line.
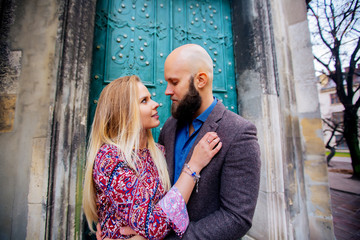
point(230, 116)
point(170, 123)
point(167, 130)
point(170, 120)
point(231, 119)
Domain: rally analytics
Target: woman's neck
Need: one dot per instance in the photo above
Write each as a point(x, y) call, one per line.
point(143, 140)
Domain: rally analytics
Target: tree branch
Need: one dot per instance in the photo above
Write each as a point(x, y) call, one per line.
point(332, 17)
point(319, 28)
point(357, 89)
point(346, 14)
point(352, 66)
point(338, 76)
point(329, 123)
point(334, 127)
point(357, 103)
point(322, 63)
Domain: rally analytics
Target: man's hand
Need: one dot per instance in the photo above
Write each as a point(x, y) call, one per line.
point(123, 231)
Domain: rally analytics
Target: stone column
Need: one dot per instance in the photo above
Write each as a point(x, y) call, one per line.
point(69, 128)
point(277, 91)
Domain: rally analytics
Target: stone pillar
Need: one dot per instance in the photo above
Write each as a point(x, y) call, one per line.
point(69, 128)
point(277, 91)
point(304, 84)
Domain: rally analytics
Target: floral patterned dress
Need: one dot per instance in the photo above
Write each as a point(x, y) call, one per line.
point(139, 201)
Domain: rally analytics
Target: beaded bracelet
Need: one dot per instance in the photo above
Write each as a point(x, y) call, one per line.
point(194, 175)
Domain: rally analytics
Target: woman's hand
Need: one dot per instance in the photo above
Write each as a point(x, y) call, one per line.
point(204, 151)
point(123, 231)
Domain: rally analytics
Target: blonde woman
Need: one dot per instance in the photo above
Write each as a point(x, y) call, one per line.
point(126, 181)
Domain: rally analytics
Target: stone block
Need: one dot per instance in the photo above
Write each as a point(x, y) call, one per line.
point(7, 112)
point(37, 193)
point(312, 132)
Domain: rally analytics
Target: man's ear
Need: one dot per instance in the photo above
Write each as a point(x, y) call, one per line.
point(201, 79)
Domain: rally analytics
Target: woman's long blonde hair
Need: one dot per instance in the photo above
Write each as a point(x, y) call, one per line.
point(117, 122)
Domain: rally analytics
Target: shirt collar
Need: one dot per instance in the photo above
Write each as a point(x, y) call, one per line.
point(204, 115)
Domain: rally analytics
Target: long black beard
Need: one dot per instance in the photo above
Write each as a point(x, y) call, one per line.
point(188, 106)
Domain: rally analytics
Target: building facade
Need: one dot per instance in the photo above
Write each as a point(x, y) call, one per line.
point(332, 110)
point(47, 68)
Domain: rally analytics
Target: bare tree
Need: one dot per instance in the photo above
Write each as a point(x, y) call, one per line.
point(337, 28)
point(333, 127)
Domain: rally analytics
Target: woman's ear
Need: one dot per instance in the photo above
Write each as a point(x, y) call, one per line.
point(201, 79)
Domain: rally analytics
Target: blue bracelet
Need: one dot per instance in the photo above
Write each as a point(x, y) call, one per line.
point(194, 175)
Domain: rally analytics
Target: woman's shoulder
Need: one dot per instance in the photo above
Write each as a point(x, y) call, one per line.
point(161, 147)
point(107, 157)
point(108, 147)
point(107, 151)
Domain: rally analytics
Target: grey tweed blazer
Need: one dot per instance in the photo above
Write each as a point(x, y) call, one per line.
point(229, 185)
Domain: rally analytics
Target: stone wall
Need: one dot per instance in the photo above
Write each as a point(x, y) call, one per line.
point(28, 78)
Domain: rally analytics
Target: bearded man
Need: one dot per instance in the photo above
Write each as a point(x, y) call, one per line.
point(227, 194)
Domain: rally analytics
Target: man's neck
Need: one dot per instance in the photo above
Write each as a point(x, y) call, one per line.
point(206, 102)
point(191, 129)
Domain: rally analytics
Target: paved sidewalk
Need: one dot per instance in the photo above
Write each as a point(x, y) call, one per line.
point(345, 199)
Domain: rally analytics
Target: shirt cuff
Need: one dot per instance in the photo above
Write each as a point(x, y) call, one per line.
point(174, 206)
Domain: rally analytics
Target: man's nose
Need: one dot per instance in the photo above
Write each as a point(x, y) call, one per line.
point(169, 90)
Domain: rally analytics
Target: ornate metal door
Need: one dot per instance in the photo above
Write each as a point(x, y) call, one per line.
point(135, 36)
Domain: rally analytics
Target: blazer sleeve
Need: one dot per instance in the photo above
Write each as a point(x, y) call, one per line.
point(240, 180)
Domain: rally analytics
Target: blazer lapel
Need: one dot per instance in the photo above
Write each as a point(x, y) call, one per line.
point(210, 125)
point(170, 147)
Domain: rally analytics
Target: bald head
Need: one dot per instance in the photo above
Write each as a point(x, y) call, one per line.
point(192, 58)
point(188, 71)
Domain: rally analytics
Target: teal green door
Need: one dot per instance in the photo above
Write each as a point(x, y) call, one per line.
point(134, 37)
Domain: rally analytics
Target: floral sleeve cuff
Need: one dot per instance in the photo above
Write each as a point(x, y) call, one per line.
point(174, 207)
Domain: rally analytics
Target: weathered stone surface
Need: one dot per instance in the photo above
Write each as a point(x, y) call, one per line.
point(10, 72)
point(7, 112)
point(312, 132)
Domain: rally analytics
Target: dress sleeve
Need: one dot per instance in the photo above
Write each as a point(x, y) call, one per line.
point(135, 199)
point(173, 204)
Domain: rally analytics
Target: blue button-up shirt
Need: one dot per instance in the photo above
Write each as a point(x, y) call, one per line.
point(184, 142)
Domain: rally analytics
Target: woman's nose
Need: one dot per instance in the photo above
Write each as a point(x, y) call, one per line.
point(156, 105)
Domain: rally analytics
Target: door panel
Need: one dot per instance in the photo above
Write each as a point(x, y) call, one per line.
point(134, 37)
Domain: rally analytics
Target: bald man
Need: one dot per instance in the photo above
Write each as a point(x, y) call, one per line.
point(224, 205)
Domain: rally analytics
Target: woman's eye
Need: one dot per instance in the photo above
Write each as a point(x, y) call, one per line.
point(145, 100)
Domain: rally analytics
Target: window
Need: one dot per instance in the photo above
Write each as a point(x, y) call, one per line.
point(334, 98)
point(342, 144)
point(337, 117)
